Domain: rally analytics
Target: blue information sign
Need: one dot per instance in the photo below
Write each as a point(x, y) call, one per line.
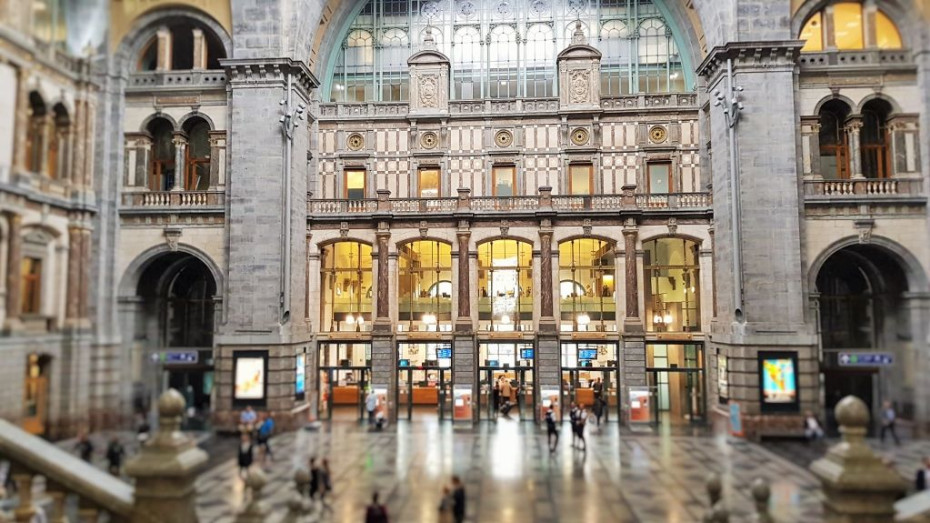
point(181, 356)
point(865, 359)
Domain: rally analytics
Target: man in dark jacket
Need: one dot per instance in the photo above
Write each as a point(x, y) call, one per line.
point(922, 481)
point(458, 499)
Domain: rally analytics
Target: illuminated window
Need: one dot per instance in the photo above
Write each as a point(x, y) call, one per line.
point(505, 285)
point(161, 170)
point(346, 287)
point(424, 287)
point(503, 49)
point(429, 183)
point(355, 184)
point(849, 25)
point(587, 286)
point(672, 285)
point(834, 146)
point(504, 180)
point(580, 179)
point(660, 177)
point(32, 285)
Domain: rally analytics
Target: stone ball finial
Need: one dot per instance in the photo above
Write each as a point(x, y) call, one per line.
point(171, 403)
point(761, 492)
point(852, 412)
point(256, 479)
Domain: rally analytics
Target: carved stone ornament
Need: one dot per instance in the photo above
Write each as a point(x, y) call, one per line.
point(424, 228)
point(355, 141)
point(343, 229)
point(172, 237)
point(505, 227)
point(580, 136)
point(429, 91)
point(672, 225)
point(658, 134)
point(864, 228)
point(503, 138)
point(578, 86)
point(429, 140)
point(586, 226)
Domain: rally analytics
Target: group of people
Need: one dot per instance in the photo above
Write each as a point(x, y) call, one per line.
point(255, 431)
point(375, 409)
point(504, 394)
point(813, 429)
point(451, 507)
point(321, 482)
point(114, 454)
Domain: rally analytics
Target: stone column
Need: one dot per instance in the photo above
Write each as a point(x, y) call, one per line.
point(217, 159)
point(200, 50)
point(546, 319)
point(464, 286)
point(857, 485)
point(13, 269)
point(633, 359)
point(180, 155)
point(853, 127)
point(83, 295)
point(22, 121)
point(166, 468)
point(810, 148)
point(630, 277)
point(48, 134)
point(72, 306)
point(382, 304)
point(164, 49)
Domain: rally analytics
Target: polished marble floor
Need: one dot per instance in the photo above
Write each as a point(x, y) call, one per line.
point(510, 476)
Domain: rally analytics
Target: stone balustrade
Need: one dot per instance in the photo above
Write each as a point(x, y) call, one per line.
point(145, 80)
point(174, 199)
point(544, 201)
point(857, 58)
point(863, 188)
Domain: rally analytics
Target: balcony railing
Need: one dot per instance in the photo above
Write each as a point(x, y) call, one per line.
point(192, 79)
point(863, 188)
point(544, 201)
point(174, 199)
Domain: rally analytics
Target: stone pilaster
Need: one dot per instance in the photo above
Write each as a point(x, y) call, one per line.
point(180, 155)
point(547, 320)
point(630, 275)
point(20, 160)
point(200, 49)
point(904, 133)
point(217, 159)
point(163, 52)
point(72, 307)
point(13, 277)
point(383, 298)
point(463, 289)
point(853, 130)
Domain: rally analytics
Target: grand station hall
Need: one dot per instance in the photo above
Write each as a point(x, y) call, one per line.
point(464, 260)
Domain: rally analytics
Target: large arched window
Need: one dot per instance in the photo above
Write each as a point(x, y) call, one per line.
point(505, 285)
point(197, 163)
point(185, 45)
point(35, 133)
point(161, 167)
point(49, 20)
point(346, 286)
point(874, 139)
point(848, 26)
point(834, 145)
point(503, 49)
point(57, 163)
point(587, 285)
point(672, 285)
point(424, 287)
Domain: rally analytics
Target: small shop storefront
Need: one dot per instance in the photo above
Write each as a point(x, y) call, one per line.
point(590, 377)
point(424, 380)
point(675, 373)
point(344, 371)
point(506, 374)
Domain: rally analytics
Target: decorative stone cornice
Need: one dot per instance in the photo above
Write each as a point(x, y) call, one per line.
point(751, 55)
point(258, 71)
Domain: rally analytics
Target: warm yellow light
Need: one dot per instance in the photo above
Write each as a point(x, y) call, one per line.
point(886, 33)
point(812, 33)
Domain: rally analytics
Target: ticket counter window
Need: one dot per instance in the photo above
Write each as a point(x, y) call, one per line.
point(672, 285)
point(505, 285)
point(587, 287)
point(506, 381)
point(676, 374)
point(424, 380)
point(344, 374)
point(346, 287)
point(424, 287)
point(590, 376)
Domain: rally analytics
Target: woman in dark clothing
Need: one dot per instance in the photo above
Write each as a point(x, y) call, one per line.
point(245, 455)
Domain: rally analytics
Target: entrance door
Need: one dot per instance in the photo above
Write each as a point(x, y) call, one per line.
point(342, 392)
point(679, 395)
point(424, 390)
point(588, 386)
point(519, 384)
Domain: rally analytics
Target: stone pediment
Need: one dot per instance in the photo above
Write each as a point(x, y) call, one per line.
point(427, 57)
point(579, 51)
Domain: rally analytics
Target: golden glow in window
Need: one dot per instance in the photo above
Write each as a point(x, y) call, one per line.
point(429, 183)
point(812, 34)
point(847, 25)
point(886, 33)
point(580, 182)
point(355, 184)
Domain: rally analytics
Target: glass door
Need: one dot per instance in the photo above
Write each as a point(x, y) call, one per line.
point(679, 396)
point(527, 395)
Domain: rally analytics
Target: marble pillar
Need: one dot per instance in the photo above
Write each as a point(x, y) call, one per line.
point(464, 286)
point(180, 155)
point(13, 265)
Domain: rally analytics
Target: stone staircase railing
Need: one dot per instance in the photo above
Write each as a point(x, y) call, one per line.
point(164, 474)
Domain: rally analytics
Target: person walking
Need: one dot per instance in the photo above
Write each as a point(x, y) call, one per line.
point(316, 475)
point(580, 420)
point(326, 484)
point(115, 453)
point(496, 395)
point(85, 447)
point(573, 419)
point(551, 430)
point(922, 481)
point(598, 389)
point(247, 420)
point(812, 429)
point(376, 512)
point(445, 506)
point(458, 499)
point(246, 451)
point(888, 417)
point(598, 410)
point(265, 430)
point(371, 405)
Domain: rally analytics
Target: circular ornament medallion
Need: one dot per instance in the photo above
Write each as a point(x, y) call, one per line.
point(658, 134)
point(503, 138)
point(429, 140)
point(355, 142)
point(580, 136)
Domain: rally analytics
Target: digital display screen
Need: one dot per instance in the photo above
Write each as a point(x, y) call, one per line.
point(403, 363)
point(587, 354)
point(250, 378)
point(526, 354)
point(779, 380)
point(493, 363)
point(444, 353)
point(301, 382)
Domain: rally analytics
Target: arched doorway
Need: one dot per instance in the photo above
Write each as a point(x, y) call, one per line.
point(864, 310)
point(175, 309)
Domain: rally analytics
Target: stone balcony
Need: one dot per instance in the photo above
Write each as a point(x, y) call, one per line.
point(174, 201)
point(876, 58)
point(851, 197)
point(543, 202)
point(192, 79)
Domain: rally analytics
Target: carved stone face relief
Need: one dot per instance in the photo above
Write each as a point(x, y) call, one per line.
point(355, 142)
point(580, 136)
point(503, 138)
point(658, 134)
point(429, 140)
point(428, 98)
point(578, 91)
